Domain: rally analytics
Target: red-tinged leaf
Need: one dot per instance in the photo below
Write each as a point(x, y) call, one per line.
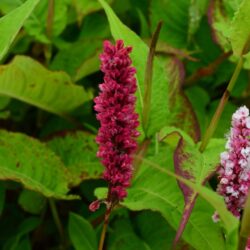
point(218, 19)
point(193, 165)
point(230, 26)
point(181, 111)
point(154, 189)
point(182, 157)
point(164, 48)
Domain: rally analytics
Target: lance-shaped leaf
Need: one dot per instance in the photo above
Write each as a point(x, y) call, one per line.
point(78, 153)
point(159, 96)
point(193, 165)
point(27, 80)
point(11, 23)
point(31, 163)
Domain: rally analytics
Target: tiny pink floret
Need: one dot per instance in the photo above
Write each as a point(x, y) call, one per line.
point(116, 112)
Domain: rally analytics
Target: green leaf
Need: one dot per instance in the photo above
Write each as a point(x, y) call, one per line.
point(154, 230)
point(180, 19)
point(144, 29)
point(196, 11)
point(11, 23)
point(31, 201)
point(24, 244)
point(26, 160)
point(89, 66)
point(199, 99)
point(195, 166)
point(123, 237)
point(191, 164)
point(101, 193)
point(75, 60)
point(181, 111)
point(154, 189)
point(21, 233)
point(225, 121)
point(2, 197)
point(220, 23)
point(36, 25)
point(78, 153)
point(95, 26)
point(27, 80)
point(81, 233)
point(240, 31)
point(9, 5)
point(158, 116)
point(230, 21)
point(4, 101)
point(85, 7)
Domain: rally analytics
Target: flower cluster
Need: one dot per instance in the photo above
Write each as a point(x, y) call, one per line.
point(234, 174)
point(115, 106)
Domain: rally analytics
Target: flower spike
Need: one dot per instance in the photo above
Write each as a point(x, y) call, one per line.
point(115, 106)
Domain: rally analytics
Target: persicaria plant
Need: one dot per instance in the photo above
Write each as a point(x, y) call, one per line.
point(125, 125)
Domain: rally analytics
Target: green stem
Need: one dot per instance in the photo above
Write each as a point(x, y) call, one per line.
point(214, 122)
point(49, 29)
point(50, 18)
point(242, 243)
point(57, 220)
point(104, 229)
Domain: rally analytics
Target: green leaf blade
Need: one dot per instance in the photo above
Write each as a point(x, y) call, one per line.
point(78, 153)
point(11, 23)
point(240, 31)
point(27, 80)
point(81, 233)
point(29, 162)
point(154, 189)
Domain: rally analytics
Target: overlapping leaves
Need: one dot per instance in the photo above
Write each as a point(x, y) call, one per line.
point(154, 189)
point(26, 160)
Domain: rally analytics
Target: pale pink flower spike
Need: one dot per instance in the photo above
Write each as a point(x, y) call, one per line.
point(234, 173)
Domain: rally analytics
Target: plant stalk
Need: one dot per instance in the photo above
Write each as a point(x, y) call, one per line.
point(49, 29)
point(149, 77)
point(105, 226)
point(57, 220)
point(242, 243)
point(50, 18)
point(214, 122)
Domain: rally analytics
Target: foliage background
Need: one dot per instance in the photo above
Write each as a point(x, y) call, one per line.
point(49, 74)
